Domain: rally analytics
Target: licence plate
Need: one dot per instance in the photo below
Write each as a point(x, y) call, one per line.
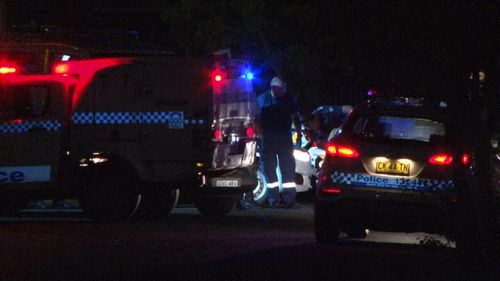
point(393, 167)
point(227, 182)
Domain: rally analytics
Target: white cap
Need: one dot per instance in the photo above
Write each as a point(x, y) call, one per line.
point(276, 81)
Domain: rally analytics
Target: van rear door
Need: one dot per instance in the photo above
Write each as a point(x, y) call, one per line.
point(31, 121)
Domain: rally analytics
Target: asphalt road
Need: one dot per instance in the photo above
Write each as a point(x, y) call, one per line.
point(245, 245)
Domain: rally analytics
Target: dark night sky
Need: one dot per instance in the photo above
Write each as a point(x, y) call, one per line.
point(403, 41)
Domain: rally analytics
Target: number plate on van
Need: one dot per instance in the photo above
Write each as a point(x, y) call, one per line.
point(227, 182)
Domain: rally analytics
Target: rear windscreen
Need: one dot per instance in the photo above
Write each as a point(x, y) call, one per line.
point(397, 128)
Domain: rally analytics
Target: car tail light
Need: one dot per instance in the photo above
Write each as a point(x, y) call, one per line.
point(331, 190)
point(341, 151)
point(441, 159)
point(465, 159)
point(250, 132)
point(217, 134)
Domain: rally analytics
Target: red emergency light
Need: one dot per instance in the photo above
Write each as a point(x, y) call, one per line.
point(218, 76)
point(61, 68)
point(8, 68)
point(85, 70)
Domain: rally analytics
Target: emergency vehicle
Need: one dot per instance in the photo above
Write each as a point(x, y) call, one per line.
point(396, 164)
point(234, 163)
point(122, 135)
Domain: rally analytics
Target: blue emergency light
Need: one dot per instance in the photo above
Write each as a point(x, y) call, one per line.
point(248, 75)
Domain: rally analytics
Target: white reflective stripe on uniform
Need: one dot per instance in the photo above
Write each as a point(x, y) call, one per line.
point(272, 184)
point(289, 185)
point(23, 174)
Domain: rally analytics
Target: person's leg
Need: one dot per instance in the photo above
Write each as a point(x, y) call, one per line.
point(268, 163)
point(287, 166)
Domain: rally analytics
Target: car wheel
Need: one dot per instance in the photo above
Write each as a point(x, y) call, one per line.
point(357, 232)
point(110, 195)
point(353, 225)
point(156, 203)
point(214, 206)
point(260, 191)
point(326, 225)
point(465, 236)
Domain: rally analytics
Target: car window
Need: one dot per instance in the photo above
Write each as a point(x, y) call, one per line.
point(22, 102)
point(30, 62)
point(395, 127)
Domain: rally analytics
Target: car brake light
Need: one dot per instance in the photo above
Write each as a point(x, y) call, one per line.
point(331, 149)
point(217, 134)
point(441, 159)
point(250, 132)
point(341, 151)
point(465, 159)
point(331, 190)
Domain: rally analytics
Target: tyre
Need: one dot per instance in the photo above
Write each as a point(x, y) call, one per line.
point(156, 203)
point(353, 225)
point(110, 194)
point(260, 191)
point(465, 236)
point(214, 206)
point(326, 225)
point(357, 232)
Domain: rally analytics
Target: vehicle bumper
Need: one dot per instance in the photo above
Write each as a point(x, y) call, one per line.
point(246, 179)
point(411, 212)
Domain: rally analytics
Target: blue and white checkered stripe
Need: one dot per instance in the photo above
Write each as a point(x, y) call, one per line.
point(174, 119)
point(25, 126)
point(121, 117)
point(156, 117)
point(419, 184)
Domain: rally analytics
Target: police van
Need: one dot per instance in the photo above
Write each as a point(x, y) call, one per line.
point(122, 135)
point(234, 165)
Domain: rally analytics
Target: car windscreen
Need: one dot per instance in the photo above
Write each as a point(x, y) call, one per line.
point(397, 128)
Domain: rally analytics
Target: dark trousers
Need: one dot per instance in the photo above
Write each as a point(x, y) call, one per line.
point(278, 151)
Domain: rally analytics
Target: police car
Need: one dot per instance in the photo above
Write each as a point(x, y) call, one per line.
point(394, 165)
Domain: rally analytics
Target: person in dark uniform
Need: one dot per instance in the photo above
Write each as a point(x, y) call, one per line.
point(277, 109)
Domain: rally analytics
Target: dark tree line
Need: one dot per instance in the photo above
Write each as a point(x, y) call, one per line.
point(334, 51)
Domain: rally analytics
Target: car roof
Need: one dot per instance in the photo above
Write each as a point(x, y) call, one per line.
point(432, 110)
point(29, 43)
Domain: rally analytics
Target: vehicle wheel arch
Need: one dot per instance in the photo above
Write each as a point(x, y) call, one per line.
point(97, 172)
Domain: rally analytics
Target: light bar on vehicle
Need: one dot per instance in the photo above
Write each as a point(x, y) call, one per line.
point(248, 75)
point(8, 69)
